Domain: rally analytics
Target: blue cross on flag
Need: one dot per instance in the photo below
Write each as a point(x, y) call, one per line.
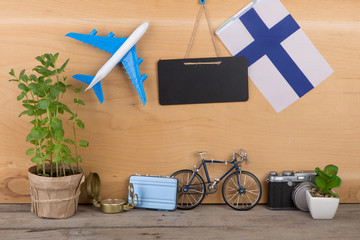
point(283, 63)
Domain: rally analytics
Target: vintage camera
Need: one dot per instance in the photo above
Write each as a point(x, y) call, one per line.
point(287, 189)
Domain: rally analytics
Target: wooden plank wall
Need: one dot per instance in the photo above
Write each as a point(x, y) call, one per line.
point(127, 138)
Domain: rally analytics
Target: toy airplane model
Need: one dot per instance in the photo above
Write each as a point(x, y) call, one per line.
point(123, 50)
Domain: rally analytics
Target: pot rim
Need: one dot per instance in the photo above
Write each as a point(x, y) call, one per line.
point(310, 195)
point(31, 170)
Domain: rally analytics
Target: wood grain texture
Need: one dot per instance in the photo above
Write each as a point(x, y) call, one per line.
point(126, 138)
point(204, 222)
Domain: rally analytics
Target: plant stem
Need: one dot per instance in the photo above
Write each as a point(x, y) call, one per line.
point(72, 169)
point(63, 166)
point(57, 169)
point(42, 160)
point(74, 130)
point(51, 137)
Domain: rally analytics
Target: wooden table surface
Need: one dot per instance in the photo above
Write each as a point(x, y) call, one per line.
point(203, 222)
point(126, 138)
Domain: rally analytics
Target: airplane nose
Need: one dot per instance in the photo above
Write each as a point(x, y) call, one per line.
point(145, 25)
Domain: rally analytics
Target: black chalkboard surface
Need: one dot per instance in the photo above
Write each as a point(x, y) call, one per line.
point(203, 80)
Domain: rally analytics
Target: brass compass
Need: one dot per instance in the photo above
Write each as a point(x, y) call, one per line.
point(108, 205)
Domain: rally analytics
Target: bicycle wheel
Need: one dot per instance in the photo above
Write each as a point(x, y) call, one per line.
point(245, 196)
point(190, 194)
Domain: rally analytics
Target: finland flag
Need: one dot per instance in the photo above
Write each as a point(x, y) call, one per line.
point(283, 63)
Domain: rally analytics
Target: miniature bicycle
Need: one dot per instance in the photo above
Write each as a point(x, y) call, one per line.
point(241, 190)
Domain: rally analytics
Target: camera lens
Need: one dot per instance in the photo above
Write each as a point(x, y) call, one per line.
point(299, 196)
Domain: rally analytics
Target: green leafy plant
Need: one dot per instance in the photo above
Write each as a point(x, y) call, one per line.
point(41, 96)
point(326, 180)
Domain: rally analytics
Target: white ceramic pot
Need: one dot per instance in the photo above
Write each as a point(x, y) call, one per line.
point(321, 207)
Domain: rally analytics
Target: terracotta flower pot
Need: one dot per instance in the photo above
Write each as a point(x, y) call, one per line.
point(54, 197)
point(321, 207)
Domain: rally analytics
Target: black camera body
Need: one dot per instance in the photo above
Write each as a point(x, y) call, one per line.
point(287, 189)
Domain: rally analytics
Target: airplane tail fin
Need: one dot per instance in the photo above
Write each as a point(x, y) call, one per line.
point(140, 90)
point(97, 87)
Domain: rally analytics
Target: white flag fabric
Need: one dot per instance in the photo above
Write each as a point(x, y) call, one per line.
point(283, 63)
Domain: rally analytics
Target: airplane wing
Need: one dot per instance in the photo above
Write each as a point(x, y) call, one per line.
point(97, 88)
point(131, 64)
point(109, 43)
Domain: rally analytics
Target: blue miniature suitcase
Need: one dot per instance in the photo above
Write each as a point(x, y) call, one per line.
point(155, 192)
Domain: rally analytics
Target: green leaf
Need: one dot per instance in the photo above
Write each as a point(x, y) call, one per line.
point(33, 86)
point(47, 157)
point(29, 152)
point(47, 82)
point(83, 143)
point(44, 121)
point(78, 101)
point(321, 173)
point(79, 158)
point(33, 78)
point(66, 149)
point(21, 96)
point(334, 194)
point(334, 183)
point(24, 112)
point(61, 110)
point(80, 123)
point(59, 133)
point(12, 72)
point(320, 183)
point(23, 87)
point(61, 86)
point(44, 71)
point(36, 159)
point(63, 66)
point(38, 112)
point(41, 59)
point(36, 133)
point(331, 170)
point(22, 74)
point(49, 61)
point(69, 141)
point(29, 137)
point(25, 78)
point(67, 109)
point(73, 117)
point(31, 112)
point(56, 57)
point(43, 104)
point(54, 90)
point(78, 90)
point(57, 158)
point(67, 160)
point(44, 132)
point(29, 101)
point(57, 148)
point(56, 124)
point(29, 106)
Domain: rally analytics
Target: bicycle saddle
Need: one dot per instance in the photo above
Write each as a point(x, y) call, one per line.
point(201, 153)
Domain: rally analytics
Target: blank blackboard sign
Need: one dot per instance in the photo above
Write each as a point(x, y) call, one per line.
point(203, 80)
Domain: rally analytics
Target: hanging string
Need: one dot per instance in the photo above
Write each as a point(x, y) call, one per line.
point(211, 31)
point(195, 29)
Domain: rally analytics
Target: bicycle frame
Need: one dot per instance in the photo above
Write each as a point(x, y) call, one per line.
point(203, 164)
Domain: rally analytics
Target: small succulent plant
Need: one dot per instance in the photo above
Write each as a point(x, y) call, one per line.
point(326, 180)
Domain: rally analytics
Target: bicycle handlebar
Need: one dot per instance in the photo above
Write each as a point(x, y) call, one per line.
point(243, 156)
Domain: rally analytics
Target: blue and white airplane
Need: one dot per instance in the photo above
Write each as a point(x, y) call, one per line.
point(123, 50)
